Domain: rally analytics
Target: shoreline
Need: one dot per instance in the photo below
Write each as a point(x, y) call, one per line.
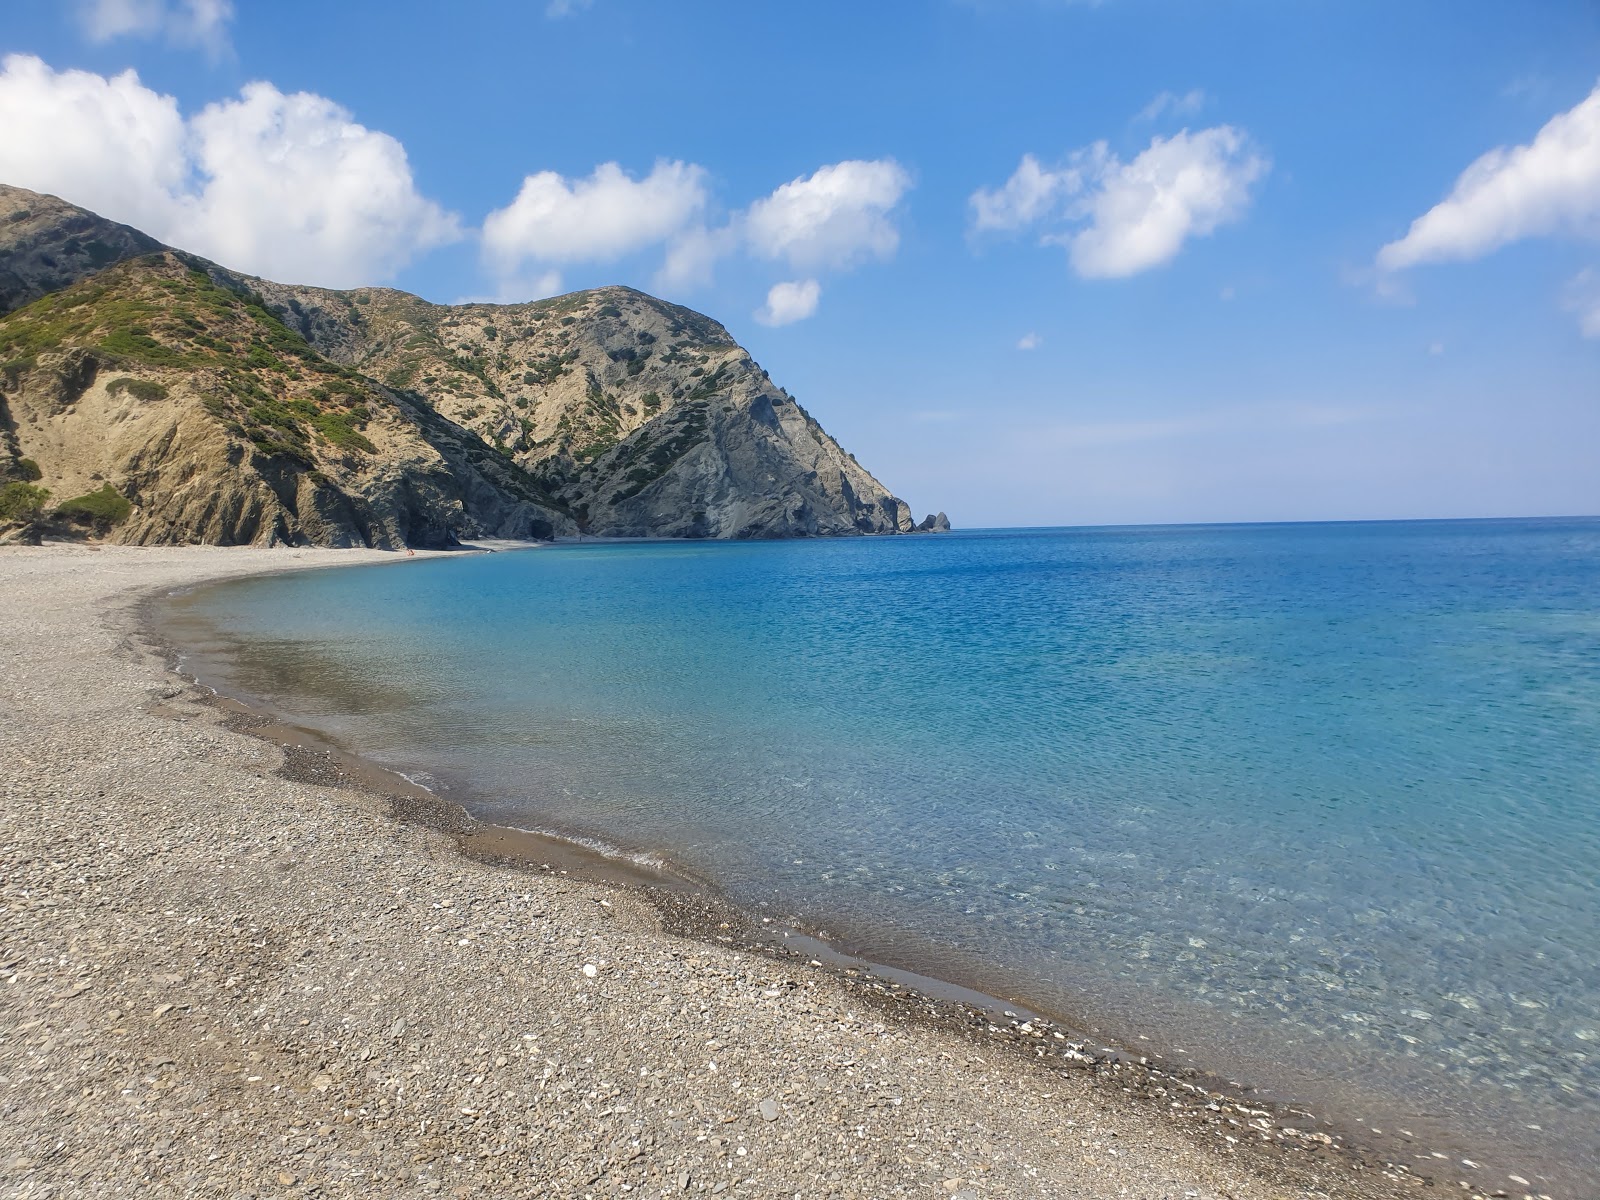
point(1222, 1132)
point(695, 908)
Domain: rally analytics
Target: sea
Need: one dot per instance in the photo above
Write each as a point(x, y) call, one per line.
point(1312, 807)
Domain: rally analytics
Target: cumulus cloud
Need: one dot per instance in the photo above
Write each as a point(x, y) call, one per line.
point(1029, 341)
point(1119, 218)
point(283, 185)
point(1140, 213)
point(598, 219)
point(202, 23)
point(836, 217)
point(790, 302)
point(1549, 186)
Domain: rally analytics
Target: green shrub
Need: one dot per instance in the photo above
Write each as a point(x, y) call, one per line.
point(30, 470)
point(340, 429)
point(260, 356)
point(140, 389)
point(22, 502)
point(105, 507)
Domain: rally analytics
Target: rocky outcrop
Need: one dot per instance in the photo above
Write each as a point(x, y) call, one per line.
point(934, 523)
point(607, 412)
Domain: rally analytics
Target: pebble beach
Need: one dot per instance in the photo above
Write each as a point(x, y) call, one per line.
point(223, 976)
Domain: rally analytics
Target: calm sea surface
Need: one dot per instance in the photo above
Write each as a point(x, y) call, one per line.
point(1317, 806)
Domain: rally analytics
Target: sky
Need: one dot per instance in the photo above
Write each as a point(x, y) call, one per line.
point(1036, 262)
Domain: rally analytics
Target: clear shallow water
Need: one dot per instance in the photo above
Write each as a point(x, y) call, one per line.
point(1317, 804)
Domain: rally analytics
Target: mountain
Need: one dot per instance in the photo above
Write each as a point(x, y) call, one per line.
point(226, 408)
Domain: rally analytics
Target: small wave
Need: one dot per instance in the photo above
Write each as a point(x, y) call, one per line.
point(420, 780)
point(640, 858)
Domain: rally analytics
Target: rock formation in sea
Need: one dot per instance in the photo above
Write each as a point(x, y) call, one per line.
point(175, 400)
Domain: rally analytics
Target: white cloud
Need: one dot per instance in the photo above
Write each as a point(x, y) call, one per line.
point(1029, 341)
point(557, 9)
point(836, 217)
point(1185, 105)
point(1549, 186)
point(1030, 193)
point(1117, 218)
point(790, 302)
point(202, 23)
point(286, 186)
point(598, 219)
point(1582, 297)
point(1140, 213)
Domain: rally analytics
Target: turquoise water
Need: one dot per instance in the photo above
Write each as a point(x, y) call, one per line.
point(1317, 806)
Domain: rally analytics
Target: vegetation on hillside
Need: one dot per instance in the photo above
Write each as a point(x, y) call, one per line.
point(164, 314)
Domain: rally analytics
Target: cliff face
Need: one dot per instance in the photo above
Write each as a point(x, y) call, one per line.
point(607, 412)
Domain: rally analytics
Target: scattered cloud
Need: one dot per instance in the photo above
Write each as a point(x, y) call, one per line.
point(1548, 187)
point(1120, 218)
point(1185, 105)
point(1029, 341)
point(836, 217)
point(790, 302)
point(1582, 296)
point(201, 23)
point(598, 219)
point(283, 185)
point(1029, 195)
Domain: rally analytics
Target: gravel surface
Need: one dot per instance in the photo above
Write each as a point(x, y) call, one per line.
point(218, 980)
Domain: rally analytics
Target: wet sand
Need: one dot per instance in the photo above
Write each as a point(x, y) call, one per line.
point(236, 960)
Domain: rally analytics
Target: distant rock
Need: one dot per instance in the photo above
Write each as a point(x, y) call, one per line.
point(934, 523)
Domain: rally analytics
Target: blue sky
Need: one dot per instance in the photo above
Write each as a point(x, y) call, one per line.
point(1033, 261)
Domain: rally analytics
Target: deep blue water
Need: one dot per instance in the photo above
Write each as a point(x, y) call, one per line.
point(1316, 805)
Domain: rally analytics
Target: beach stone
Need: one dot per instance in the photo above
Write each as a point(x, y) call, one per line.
point(769, 1110)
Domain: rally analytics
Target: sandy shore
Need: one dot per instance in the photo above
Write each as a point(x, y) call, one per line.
point(218, 978)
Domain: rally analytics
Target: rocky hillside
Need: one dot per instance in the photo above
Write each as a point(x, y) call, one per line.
point(167, 409)
point(607, 412)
